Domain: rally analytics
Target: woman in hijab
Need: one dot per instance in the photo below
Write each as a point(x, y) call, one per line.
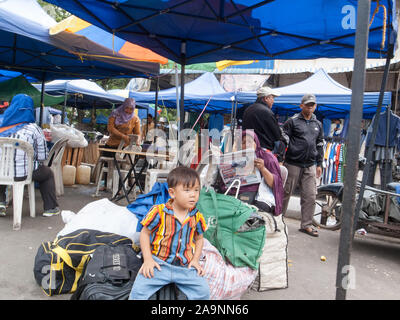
point(270, 171)
point(19, 123)
point(121, 124)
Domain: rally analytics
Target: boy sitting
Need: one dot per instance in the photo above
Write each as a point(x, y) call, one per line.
point(172, 240)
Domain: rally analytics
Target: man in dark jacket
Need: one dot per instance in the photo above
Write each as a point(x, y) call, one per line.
point(303, 159)
point(260, 118)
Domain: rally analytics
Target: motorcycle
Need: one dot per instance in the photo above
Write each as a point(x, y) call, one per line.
point(328, 211)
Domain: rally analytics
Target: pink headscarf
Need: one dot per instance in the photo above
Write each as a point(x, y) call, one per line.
point(120, 115)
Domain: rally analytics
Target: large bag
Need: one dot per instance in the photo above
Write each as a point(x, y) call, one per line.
point(225, 281)
point(59, 264)
point(273, 270)
point(224, 216)
point(110, 273)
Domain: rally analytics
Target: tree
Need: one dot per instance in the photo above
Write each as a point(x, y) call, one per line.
point(53, 11)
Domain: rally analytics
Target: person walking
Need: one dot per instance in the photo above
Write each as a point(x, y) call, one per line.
point(303, 160)
point(260, 118)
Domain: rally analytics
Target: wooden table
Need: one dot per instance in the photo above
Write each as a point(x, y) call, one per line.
point(139, 154)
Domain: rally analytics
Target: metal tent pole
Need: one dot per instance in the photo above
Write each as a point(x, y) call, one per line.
point(372, 139)
point(63, 108)
point(155, 107)
point(360, 52)
point(42, 100)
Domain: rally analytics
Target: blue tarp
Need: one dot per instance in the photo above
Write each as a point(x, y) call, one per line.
point(27, 47)
point(100, 119)
point(143, 203)
point(7, 75)
point(333, 99)
point(207, 31)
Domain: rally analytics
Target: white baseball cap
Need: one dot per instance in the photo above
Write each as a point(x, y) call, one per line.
point(267, 91)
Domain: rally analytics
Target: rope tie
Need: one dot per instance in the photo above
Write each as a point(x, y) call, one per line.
point(384, 21)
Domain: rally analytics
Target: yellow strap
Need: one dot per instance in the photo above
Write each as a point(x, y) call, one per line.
point(378, 5)
point(79, 273)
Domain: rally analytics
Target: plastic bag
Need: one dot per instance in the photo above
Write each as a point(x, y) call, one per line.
point(101, 215)
point(76, 139)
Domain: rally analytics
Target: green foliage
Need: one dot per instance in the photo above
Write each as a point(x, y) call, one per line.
point(53, 11)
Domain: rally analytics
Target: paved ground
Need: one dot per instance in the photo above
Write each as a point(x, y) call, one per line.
point(376, 259)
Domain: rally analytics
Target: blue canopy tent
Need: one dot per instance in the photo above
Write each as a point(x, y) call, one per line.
point(27, 47)
point(199, 31)
point(82, 94)
point(205, 89)
point(333, 99)
point(210, 30)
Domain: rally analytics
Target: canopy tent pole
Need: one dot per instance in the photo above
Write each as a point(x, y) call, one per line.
point(232, 129)
point(386, 161)
point(94, 116)
point(63, 108)
point(372, 139)
point(155, 108)
point(344, 271)
point(182, 102)
point(42, 100)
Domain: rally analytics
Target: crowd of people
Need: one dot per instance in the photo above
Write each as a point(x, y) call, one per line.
point(172, 235)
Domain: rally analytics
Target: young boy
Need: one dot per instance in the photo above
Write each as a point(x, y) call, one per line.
point(172, 240)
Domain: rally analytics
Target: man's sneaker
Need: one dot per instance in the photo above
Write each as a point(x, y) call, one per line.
point(3, 208)
point(51, 212)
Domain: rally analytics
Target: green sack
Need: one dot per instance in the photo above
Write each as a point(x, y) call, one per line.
point(224, 215)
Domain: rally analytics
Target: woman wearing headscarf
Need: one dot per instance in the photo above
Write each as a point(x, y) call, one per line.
point(19, 123)
point(270, 171)
point(121, 123)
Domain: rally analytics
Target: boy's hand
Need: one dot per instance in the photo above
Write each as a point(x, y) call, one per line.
point(195, 264)
point(147, 268)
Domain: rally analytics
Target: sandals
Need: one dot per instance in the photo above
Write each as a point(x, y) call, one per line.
point(310, 231)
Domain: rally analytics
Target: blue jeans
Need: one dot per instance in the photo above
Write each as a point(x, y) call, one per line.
point(187, 280)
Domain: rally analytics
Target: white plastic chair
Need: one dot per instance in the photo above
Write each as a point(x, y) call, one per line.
point(54, 162)
point(8, 147)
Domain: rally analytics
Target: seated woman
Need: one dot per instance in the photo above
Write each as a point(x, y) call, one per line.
point(270, 171)
point(19, 123)
point(121, 123)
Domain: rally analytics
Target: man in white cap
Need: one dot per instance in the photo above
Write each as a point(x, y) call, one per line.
point(260, 118)
point(303, 159)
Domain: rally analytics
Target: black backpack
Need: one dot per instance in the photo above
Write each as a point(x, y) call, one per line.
point(110, 273)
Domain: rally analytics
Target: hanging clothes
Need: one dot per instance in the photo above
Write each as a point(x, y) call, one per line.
point(394, 130)
point(333, 162)
point(381, 160)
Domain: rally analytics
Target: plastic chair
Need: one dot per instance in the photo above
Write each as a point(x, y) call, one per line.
point(8, 147)
point(54, 162)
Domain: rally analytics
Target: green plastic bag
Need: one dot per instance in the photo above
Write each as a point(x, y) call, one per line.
point(224, 215)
